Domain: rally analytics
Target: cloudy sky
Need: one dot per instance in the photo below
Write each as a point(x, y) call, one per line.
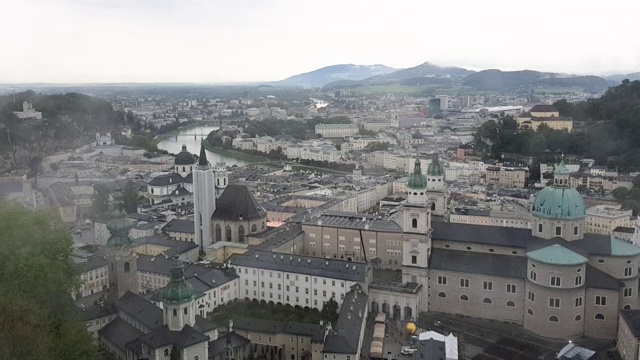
point(71, 41)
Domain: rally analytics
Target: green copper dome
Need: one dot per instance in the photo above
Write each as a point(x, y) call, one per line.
point(559, 201)
point(178, 291)
point(435, 168)
point(417, 180)
point(119, 225)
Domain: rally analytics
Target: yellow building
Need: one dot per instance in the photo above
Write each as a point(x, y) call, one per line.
point(544, 114)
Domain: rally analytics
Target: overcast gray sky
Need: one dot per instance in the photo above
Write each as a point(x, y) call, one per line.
point(260, 40)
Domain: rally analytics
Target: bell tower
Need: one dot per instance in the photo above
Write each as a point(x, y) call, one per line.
point(204, 199)
point(435, 187)
point(178, 299)
point(416, 237)
point(123, 268)
point(222, 178)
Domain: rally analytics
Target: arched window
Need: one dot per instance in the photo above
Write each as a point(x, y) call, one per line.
point(511, 304)
point(486, 301)
point(414, 223)
point(442, 295)
point(183, 169)
point(151, 191)
point(530, 312)
point(227, 231)
point(218, 232)
point(175, 312)
point(553, 318)
point(241, 233)
point(464, 297)
point(127, 267)
point(627, 307)
point(254, 228)
point(166, 352)
point(433, 206)
point(185, 311)
point(599, 317)
point(578, 318)
point(196, 357)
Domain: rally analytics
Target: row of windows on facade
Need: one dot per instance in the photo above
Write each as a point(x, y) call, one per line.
point(291, 339)
point(469, 248)
point(357, 239)
point(558, 231)
point(241, 234)
point(166, 354)
point(287, 287)
point(286, 276)
point(486, 285)
point(556, 281)
point(553, 302)
point(288, 298)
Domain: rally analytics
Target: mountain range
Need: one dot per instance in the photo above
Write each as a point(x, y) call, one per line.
point(349, 75)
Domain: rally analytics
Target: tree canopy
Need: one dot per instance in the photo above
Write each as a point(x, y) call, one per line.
point(39, 318)
point(607, 130)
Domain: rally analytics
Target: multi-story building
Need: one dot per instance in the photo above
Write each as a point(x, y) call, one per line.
point(602, 219)
point(354, 237)
point(629, 334)
point(508, 176)
point(297, 280)
point(94, 277)
point(547, 115)
point(336, 130)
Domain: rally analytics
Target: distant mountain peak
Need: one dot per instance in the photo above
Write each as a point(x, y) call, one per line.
point(339, 72)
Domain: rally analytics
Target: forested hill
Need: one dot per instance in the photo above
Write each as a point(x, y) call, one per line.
point(609, 132)
point(69, 120)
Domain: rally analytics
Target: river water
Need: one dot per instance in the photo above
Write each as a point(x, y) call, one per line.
point(192, 137)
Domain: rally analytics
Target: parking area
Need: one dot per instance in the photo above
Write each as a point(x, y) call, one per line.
point(481, 339)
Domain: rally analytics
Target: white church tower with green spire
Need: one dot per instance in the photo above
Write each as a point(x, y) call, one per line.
point(436, 188)
point(204, 199)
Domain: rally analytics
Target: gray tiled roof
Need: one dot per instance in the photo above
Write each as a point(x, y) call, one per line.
point(481, 234)
point(176, 247)
point(598, 279)
point(184, 338)
point(353, 221)
point(345, 337)
point(141, 309)
point(632, 318)
point(180, 225)
point(218, 346)
point(237, 201)
point(170, 179)
point(306, 265)
point(479, 263)
point(119, 333)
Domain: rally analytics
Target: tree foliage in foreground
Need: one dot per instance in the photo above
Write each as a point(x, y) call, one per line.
point(38, 319)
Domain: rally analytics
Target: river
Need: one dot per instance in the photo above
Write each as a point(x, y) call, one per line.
point(192, 136)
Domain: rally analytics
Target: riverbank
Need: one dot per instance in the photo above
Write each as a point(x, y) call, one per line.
point(235, 154)
point(177, 130)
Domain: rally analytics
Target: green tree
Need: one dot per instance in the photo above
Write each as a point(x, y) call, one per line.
point(329, 310)
point(130, 117)
point(620, 193)
point(131, 198)
point(100, 204)
point(39, 318)
point(377, 146)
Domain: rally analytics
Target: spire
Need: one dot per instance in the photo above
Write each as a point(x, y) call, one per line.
point(417, 180)
point(202, 161)
point(119, 225)
point(184, 147)
point(178, 291)
point(416, 167)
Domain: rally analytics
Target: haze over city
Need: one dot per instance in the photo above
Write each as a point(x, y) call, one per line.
point(74, 41)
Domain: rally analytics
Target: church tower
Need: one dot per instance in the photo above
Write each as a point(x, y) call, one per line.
point(435, 187)
point(178, 299)
point(416, 237)
point(204, 199)
point(123, 268)
point(222, 178)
